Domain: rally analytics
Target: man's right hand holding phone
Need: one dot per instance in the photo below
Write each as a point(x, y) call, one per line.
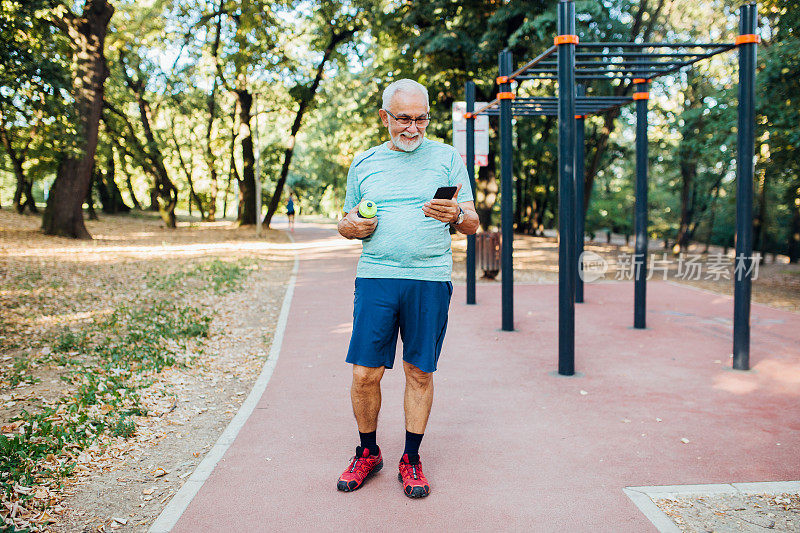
point(353, 226)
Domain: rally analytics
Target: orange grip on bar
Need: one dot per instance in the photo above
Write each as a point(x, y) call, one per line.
point(565, 39)
point(640, 80)
point(747, 38)
point(505, 96)
point(502, 79)
point(469, 115)
point(641, 96)
point(580, 116)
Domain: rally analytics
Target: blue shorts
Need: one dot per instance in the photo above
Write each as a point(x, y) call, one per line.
point(383, 306)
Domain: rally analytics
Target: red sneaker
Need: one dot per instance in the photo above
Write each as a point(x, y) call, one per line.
point(361, 467)
point(415, 485)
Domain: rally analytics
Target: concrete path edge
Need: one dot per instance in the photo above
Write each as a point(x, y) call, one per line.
point(178, 504)
point(643, 496)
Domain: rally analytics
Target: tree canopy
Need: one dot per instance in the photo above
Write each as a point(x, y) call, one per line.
point(182, 106)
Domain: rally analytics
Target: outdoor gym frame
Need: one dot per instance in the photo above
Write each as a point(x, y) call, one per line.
point(628, 62)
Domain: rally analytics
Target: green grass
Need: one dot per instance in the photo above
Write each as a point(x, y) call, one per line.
point(28, 279)
point(19, 372)
point(117, 352)
point(108, 362)
point(221, 277)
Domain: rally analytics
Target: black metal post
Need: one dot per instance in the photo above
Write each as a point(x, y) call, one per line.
point(580, 212)
point(640, 210)
point(469, 91)
point(566, 191)
point(744, 191)
point(506, 198)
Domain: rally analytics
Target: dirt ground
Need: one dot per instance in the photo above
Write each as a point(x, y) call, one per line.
point(123, 484)
point(743, 513)
point(50, 283)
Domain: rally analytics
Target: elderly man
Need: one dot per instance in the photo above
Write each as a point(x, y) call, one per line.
point(403, 276)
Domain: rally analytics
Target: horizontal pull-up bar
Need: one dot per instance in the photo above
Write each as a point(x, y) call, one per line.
point(607, 62)
point(484, 108)
point(611, 69)
point(654, 45)
point(633, 54)
point(578, 99)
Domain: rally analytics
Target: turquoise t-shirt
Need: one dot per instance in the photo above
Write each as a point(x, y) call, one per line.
point(406, 244)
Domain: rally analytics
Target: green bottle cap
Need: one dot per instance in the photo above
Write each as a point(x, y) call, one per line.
point(368, 209)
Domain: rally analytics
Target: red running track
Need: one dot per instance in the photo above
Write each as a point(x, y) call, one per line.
point(509, 445)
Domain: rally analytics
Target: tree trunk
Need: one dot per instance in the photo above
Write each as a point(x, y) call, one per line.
point(232, 174)
point(166, 193)
point(90, 197)
point(134, 201)
point(110, 197)
point(23, 187)
point(17, 157)
point(794, 230)
point(110, 177)
point(128, 183)
point(64, 215)
point(102, 191)
point(247, 185)
point(193, 197)
point(688, 193)
point(713, 207)
point(212, 111)
point(305, 101)
point(760, 220)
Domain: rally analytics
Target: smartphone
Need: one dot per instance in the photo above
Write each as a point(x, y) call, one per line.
point(444, 193)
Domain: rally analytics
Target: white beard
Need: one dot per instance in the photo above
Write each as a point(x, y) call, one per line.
point(405, 143)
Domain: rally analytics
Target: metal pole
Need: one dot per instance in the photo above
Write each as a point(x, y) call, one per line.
point(566, 191)
point(640, 210)
point(580, 213)
point(257, 165)
point(506, 198)
point(744, 191)
point(469, 90)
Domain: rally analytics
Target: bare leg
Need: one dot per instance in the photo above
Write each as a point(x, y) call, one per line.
point(418, 398)
point(366, 396)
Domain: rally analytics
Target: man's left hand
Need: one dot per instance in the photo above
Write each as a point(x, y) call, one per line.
point(443, 210)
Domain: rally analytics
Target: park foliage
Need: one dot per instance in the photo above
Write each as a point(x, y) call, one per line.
point(186, 101)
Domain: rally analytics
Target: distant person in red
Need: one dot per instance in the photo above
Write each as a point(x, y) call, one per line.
point(290, 211)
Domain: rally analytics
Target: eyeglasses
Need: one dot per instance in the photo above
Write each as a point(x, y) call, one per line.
point(405, 120)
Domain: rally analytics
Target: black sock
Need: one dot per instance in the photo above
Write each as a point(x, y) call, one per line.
point(368, 440)
point(413, 441)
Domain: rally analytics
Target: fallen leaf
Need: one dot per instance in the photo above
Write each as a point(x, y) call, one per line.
point(10, 428)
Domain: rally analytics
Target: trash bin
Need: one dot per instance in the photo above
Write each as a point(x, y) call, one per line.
point(487, 252)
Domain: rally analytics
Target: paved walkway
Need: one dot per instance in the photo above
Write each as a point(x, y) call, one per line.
point(509, 445)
